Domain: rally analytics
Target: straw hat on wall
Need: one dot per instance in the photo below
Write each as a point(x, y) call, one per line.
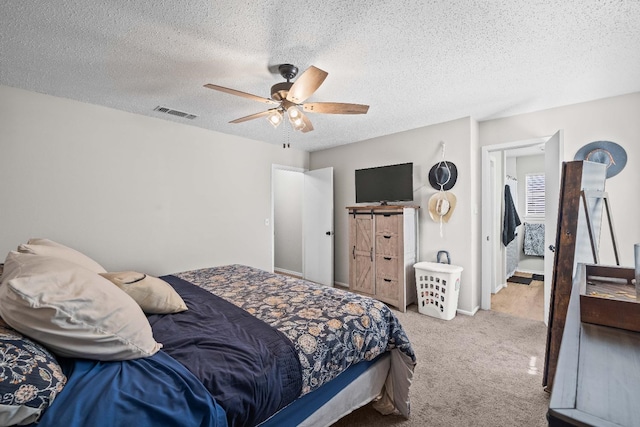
point(442, 205)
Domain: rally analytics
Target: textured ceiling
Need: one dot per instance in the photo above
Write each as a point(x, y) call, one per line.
point(415, 63)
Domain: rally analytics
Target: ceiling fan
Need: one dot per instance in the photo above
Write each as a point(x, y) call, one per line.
point(289, 97)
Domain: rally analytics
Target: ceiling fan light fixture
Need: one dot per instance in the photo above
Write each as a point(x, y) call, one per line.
point(294, 113)
point(275, 118)
point(289, 98)
point(298, 124)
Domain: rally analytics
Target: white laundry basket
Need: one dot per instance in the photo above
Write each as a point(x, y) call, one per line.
point(438, 287)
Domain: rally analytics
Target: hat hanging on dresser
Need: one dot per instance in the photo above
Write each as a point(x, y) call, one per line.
point(606, 152)
point(442, 176)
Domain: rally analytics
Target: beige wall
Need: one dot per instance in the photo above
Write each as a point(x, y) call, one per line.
point(612, 119)
point(423, 148)
point(288, 187)
point(131, 191)
point(140, 193)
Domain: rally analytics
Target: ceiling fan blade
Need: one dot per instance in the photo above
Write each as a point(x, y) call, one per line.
point(242, 94)
point(306, 84)
point(308, 127)
point(335, 108)
point(252, 116)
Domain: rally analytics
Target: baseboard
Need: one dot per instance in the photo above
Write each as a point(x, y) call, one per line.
point(287, 272)
point(469, 313)
point(499, 287)
point(341, 285)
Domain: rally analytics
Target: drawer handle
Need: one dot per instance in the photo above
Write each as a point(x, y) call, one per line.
point(354, 252)
point(387, 280)
point(371, 254)
point(387, 237)
point(387, 258)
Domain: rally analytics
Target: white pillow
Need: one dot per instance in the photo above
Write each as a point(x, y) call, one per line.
point(51, 248)
point(73, 311)
point(153, 295)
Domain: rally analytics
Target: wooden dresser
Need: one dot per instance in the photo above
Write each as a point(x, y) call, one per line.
point(383, 247)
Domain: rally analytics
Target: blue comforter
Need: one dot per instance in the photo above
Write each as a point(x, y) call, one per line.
point(150, 392)
point(256, 370)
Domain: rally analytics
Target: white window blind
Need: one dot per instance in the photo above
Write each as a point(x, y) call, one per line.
point(535, 195)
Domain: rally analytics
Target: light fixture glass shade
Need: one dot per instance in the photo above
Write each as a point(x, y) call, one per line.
point(293, 113)
point(298, 124)
point(295, 117)
point(275, 118)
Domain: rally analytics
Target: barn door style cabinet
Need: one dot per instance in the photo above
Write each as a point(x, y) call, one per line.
point(382, 251)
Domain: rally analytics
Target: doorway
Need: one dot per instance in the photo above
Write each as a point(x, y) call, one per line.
point(302, 223)
point(494, 255)
point(286, 218)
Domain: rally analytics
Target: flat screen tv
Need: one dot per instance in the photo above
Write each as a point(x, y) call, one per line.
point(392, 183)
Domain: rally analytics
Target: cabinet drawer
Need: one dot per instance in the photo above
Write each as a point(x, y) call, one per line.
point(387, 289)
point(387, 267)
point(387, 244)
point(388, 224)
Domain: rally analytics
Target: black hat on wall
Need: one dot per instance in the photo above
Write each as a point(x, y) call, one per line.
point(443, 175)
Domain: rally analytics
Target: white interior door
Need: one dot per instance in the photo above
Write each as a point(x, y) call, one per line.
point(553, 155)
point(317, 219)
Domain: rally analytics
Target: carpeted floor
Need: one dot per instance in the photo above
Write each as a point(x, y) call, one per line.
point(482, 370)
point(521, 300)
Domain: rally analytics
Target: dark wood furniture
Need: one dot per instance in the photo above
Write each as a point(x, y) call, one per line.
point(573, 245)
point(597, 377)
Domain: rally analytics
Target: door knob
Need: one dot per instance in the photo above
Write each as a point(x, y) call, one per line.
point(552, 248)
point(328, 233)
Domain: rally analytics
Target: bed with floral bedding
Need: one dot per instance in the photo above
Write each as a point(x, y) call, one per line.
point(238, 346)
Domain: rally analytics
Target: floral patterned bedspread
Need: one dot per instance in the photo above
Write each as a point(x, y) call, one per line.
point(332, 329)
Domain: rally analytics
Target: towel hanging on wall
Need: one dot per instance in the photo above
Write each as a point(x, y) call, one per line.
point(511, 218)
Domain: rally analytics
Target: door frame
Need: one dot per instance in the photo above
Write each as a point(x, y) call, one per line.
point(274, 168)
point(270, 222)
point(488, 231)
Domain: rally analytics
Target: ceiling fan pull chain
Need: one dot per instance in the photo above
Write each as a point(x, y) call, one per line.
point(285, 130)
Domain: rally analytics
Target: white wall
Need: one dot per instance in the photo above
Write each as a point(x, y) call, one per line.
point(423, 148)
point(287, 220)
point(612, 119)
point(133, 192)
point(141, 193)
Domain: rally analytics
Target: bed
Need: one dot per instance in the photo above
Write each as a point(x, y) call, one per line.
point(238, 347)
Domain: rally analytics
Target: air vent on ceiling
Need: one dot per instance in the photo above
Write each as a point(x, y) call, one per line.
point(175, 112)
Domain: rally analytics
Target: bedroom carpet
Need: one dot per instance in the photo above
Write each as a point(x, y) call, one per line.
point(482, 370)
